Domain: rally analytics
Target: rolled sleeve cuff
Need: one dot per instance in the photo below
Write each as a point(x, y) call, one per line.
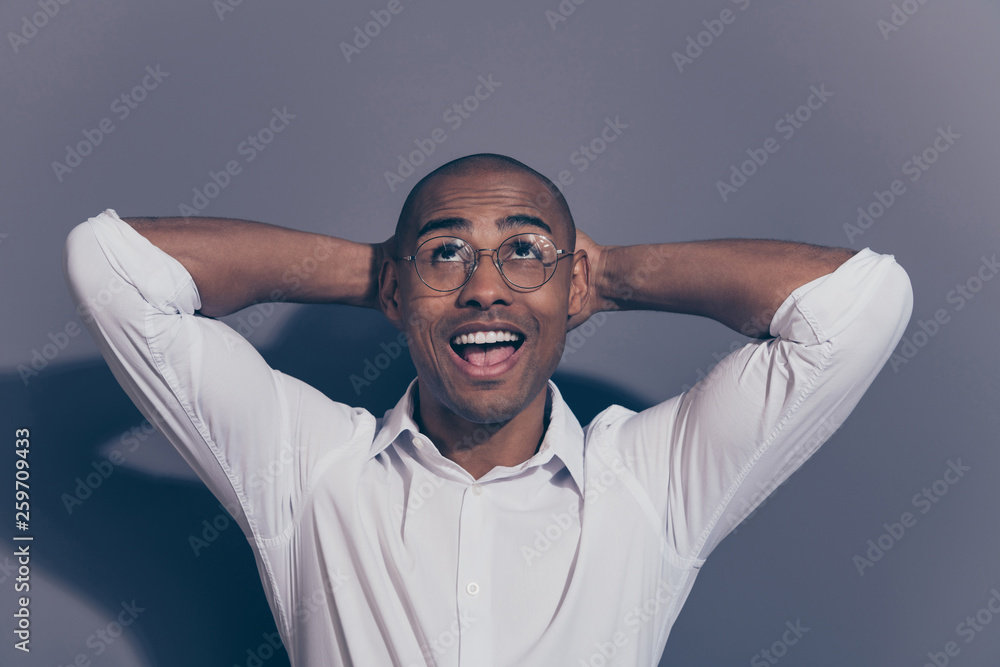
point(161, 280)
point(823, 308)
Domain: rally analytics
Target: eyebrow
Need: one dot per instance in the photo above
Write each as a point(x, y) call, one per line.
point(462, 224)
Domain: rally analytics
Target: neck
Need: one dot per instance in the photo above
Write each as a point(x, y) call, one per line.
point(478, 448)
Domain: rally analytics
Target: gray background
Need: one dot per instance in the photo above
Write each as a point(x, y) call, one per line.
point(793, 560)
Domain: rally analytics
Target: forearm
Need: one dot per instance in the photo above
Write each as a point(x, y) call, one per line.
point(237, 263)
point(738, 282)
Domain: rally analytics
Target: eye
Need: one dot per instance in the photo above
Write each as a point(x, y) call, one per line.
point(524, 250)
point(448, 251)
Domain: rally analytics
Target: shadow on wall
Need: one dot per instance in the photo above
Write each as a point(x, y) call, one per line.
point(148, 530)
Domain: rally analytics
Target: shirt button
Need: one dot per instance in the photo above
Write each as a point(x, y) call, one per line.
point(472, 588)
point(477, 489)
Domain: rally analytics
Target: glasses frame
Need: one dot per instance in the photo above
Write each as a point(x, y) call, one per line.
point(495, 256)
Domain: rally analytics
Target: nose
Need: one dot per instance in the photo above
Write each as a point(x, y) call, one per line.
point(486, 287)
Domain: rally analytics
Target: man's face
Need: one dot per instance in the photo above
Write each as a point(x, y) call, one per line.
point(495, 382)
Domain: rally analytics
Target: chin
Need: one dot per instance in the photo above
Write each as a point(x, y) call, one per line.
point(488, 407)
point(486, 400)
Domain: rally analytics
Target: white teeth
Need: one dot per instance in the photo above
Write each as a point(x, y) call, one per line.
point(485, 337)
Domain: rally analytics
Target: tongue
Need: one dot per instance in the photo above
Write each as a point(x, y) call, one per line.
point(487, 355)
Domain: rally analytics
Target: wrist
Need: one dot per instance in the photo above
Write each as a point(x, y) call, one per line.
point(612, 289)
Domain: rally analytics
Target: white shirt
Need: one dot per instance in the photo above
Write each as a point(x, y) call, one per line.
point(374, 549)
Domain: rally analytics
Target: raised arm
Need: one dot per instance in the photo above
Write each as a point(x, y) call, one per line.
point(738, 282)
point(710, 455)
point(236, 263)
point(254, 435)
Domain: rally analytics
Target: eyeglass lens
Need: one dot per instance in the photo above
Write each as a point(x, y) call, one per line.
point(446, 263)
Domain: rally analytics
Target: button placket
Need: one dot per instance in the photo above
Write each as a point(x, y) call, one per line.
point(474, 559)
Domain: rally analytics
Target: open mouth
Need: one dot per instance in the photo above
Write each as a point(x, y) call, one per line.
point(487, 348)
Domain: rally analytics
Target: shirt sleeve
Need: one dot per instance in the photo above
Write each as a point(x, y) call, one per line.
point(233, 418)
point(711, 455)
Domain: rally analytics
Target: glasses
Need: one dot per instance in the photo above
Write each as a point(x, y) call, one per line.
point(446, 263)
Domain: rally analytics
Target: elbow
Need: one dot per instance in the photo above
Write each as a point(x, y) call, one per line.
point(898, 300)
point(883, 322)
point(94, 283)
point(77, 257)
point(84, 264)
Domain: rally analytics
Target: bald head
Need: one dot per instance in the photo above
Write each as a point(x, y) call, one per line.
point(485, 165)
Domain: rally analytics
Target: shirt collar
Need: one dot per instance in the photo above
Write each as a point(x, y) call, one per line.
point(563, 438)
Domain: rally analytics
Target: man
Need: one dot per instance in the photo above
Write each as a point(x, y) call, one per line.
point(477, 522)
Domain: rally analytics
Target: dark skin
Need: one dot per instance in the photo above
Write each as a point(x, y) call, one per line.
point(453, 406)
point(738, 282)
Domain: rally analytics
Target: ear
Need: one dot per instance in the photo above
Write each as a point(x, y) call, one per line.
point(579, 287)
point(388, 293)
